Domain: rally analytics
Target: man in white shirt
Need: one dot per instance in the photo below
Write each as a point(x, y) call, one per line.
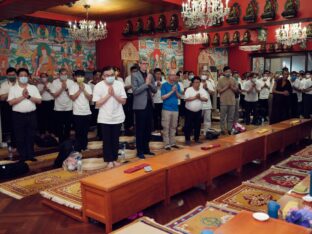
point(237, 95)
point(81, 94)
point(307, 106)
point(252, 89)
point(45, 109)
point(96, 78)
point(158, 102)
point(109, 96)
point(301, 94)
point(128, 107)
point(6, 109)
point(194, 98)
point(63, 105)
point(296, 95)
point(23, 98)
point(207, 106)
point(265, 84)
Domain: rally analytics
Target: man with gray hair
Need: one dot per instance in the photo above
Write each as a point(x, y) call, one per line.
point(143, 85)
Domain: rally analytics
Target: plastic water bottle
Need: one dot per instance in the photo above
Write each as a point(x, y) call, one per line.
point(262, 121)
point(123, 153)
point(79, 166)
point(10, 153)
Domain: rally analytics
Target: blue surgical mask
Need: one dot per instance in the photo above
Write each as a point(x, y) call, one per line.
point(23, 79)
point(110, 79)
point(293, 78)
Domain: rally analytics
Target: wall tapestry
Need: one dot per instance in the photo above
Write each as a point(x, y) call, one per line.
point(42, 48)
point(163, 53)
point(213, 57)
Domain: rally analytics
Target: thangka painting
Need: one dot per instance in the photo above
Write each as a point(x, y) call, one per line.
point(258, 65)
point(163, 53)
point(213, 57)
point(42, 48)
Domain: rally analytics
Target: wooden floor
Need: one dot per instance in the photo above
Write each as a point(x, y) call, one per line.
point(30, 216)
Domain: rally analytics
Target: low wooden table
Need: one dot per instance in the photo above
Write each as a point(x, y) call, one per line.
point(253, 145)
point(223, 159)
point(244, 223)
point(183, 173)
point(113, 195)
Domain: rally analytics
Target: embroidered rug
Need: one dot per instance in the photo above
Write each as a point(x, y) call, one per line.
point(279, 179)
point(201, 218)
point(30, 185)
point(302, 164)
point(69, 194)
point(306, 152)
point(250, 197)
point(145, 225)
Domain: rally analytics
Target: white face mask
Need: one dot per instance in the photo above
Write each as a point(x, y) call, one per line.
point(63, 77)
point(254, 80)
point(110, 79)
point(308, 76)
point(191, 77)
point(44, 79)
point(80, 79)
point(204, 77)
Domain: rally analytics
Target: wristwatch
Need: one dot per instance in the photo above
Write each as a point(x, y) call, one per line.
point(29, 97)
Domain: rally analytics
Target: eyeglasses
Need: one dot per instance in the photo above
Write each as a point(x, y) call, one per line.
point(144, 63)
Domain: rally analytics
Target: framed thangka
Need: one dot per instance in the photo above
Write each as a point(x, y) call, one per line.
point(212, 57)
point(42, 48)
point(258, 65)
point(129, 57)
point(163, 53)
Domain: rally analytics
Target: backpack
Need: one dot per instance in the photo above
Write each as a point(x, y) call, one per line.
point(212, 134)
point(11, 170)
point(65, 149)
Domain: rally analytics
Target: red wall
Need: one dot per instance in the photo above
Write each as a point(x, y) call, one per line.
point(108, 50)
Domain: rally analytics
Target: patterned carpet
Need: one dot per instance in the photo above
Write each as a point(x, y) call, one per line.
point(303, 164)
point(250, 197)
point(306, 152)
point(210, 217)
point(279, 179)
point(30, 185)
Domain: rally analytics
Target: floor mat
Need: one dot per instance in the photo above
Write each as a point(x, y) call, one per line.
point(302, 164)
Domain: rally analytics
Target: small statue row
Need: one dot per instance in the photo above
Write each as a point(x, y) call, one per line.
point(226, 38)
point(150, 26)
point(290, 11)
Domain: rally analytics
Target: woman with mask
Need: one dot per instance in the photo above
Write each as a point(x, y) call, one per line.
point(45, 109)
point(81, 95)
point(63, 105)
point(23, 98)
point(194, 98)
point(281, 104)
point(109, 96)
point(6, 109)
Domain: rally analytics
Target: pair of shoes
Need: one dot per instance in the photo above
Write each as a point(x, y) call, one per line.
point(116, 164)
point(198, 142)
point(141, 156)
point(110, 165)
point(187, 142)
point(150, 153)
point(175, 146)
point(167, 147)
point(229, 132)
point(223, 133)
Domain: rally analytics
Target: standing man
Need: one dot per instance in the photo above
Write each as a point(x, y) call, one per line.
point(227, 88)
point(265, 84)
point(170, 94)
point(23, 98)
point(295, 96)
point(237, 95)
point(252, 88)
point(143, 85)
point(128, 107)
point(63, 105)
point(81, 94)
point(157, 100)
point(6, 109)
point(307, 106)
point(207, 106)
